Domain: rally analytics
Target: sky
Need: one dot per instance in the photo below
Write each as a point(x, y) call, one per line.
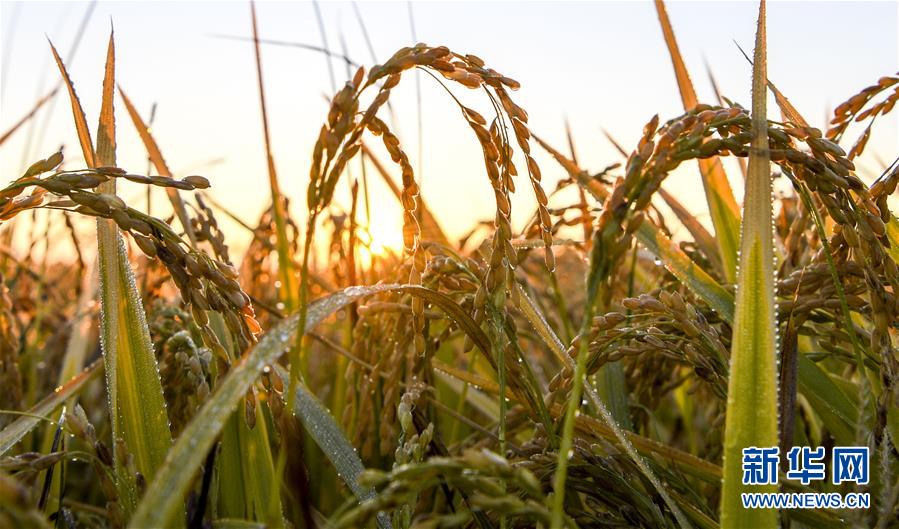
point(598, 65)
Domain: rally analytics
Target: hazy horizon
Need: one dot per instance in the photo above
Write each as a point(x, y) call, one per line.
point(600, 65)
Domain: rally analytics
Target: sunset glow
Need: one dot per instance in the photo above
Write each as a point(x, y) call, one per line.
point(472, 265)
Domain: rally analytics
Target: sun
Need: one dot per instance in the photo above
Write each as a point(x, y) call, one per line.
point(384, 236)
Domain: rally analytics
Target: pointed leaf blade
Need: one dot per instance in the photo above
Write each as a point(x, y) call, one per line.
point(751, 419)
point(723, 207)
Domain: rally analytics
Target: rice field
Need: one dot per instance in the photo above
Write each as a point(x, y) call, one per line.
point(586, 369)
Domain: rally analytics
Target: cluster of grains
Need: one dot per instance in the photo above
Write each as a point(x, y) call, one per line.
point(622, 212)
point(821, 165)
point(478, 472)
point(462, 280)
point(792, 227)
point(185, 367)
point(413, 446)
point(70, 182)
point(854, 109)
point(706, 132)
point(206, 229)
point(11, 201)
point(883, 188)
point(340, 140)
point(29, 464)
point(836, 343)
point(812, 289)
point(383, 364)
point(274, 393)
point(823, 168)
point(666, 330)
point(102, 462)
point(859, 238)
point(381, 340)
point(205, 283)
point(459, 279)
point(381, 367)
point(880, 270)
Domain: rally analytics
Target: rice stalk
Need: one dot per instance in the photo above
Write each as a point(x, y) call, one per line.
point(285, 261)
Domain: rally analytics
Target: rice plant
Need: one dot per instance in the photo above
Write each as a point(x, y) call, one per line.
point(587, 369)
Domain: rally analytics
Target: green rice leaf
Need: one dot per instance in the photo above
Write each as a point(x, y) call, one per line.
point(246, 471)
point(751, 418)
point(531, 311)
point(328, 435)
point(15, 431)
point(838, 413)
